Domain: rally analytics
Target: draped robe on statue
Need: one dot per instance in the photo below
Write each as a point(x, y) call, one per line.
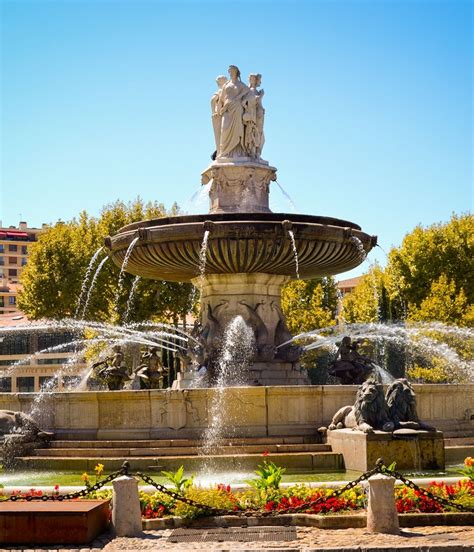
point(232, 129)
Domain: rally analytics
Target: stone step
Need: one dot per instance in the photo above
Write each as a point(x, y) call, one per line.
point(157, 443)
point(304, 461)
point(457, 454)
point(176, 451)
point(458, 441)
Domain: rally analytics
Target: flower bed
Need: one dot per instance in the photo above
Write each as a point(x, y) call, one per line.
point(266, 495)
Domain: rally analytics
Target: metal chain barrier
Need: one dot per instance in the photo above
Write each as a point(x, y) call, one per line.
point(71, 496)
point(125, 470)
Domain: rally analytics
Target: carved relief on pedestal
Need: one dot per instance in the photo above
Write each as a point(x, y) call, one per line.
point(254, 297)
point(178, 410)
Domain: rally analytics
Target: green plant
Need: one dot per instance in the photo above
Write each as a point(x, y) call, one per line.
point(177, 479)
point(269, 477)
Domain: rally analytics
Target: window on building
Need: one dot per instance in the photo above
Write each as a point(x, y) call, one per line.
point(24, 250)
point(48, 383)
point(48, 361)
point(25, 384)
point(23, 261)
point(2, 261)
point(12, 272)
point(12, 247)
point(4, 362)
point(12, 260)
point(2, 301)
point(5, 385)
point(2, 248)
point(47, 340)
point(12, 300)
point(15, 345)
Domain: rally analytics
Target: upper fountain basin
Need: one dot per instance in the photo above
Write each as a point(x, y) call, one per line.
point(168, 248)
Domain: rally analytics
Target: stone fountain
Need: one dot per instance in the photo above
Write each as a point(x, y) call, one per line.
point(240, 254)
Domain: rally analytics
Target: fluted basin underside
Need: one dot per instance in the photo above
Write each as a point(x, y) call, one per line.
point(169, 248)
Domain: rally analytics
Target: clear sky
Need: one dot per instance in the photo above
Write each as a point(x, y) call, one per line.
point(368, 104)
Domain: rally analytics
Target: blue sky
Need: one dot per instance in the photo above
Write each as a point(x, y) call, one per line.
point(368, 104)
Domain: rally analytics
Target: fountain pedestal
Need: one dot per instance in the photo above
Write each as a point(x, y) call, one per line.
point(410, 449)
point(239, 186)
point(256, 297)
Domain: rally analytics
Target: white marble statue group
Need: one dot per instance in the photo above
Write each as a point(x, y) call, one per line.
point(237, 116)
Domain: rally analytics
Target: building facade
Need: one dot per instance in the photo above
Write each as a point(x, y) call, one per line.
point(15, 244)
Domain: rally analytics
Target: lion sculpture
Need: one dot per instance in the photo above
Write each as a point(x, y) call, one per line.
point(19, 435)
point(401, 402)
point(369, 412)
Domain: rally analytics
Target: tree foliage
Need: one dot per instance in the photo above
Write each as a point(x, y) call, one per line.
point(309, 304)
point(429, 277)
point(58, 261)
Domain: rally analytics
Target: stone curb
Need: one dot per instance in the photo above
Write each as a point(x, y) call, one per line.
point(308, 520)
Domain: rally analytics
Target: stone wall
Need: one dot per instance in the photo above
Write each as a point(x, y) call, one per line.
point(250, 411)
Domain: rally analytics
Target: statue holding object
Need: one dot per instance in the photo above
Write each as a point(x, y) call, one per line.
point(114, 372)
point(350, 366)
point(238, 116)
point(151, 372)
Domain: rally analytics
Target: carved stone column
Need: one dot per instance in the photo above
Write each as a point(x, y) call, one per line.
point(242, 186)
point(256, 297)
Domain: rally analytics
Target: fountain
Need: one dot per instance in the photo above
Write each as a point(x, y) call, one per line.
point(235, 394)
point(240, 254)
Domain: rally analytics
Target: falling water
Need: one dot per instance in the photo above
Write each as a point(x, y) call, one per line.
point(295, 253)
point(287, 196)
point(91, 288)
point(238, 348)
point(360, 247)
point(131, 297)
point(122, 270)
point(86, 280)
point(202, 260)
point(198, 199)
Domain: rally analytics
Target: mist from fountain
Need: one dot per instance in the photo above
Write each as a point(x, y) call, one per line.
point(85, 281)
point(417, 338)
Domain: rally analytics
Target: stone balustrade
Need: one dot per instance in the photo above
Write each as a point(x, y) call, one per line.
point(249, 411)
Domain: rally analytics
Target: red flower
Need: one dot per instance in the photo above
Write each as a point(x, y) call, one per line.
point(266, 453)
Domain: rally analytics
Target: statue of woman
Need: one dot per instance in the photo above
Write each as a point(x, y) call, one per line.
point(231, 110)
point(215, 108)
point(253, 117)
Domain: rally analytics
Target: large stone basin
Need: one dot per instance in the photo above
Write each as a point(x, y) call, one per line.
point(168, 248)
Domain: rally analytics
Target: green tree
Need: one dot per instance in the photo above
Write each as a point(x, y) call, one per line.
point(444, 304)
point(429, 277)
point(309, 304)
point(427, 254)
point(369, 301)
point(58, 261)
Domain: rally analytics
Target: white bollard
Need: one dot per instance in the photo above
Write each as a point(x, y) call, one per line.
point(382, 516)
point(126, 514)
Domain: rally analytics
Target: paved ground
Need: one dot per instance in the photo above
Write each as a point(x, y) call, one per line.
point(308, 539)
